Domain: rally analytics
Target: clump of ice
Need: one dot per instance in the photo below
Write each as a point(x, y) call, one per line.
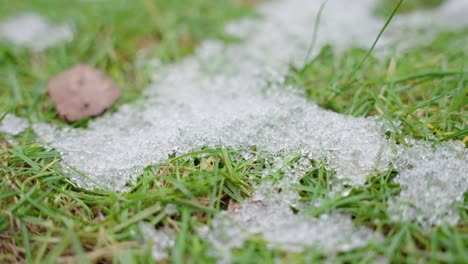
point(161, 240)
point(281, 228)
point(34, 31)
point(433, 178)
point(426, 23)
point(12, 125)
point(276, 215)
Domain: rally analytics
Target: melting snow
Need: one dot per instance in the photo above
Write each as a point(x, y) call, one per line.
point(276, 214)
point(12, 125)
point(34, 32)
point(233, 95)
point(433, 178)
point(281, 228)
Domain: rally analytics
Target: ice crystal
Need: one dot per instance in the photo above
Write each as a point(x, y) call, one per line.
point(33, 31)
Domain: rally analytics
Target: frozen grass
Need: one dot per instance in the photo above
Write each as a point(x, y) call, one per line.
point(44, 216)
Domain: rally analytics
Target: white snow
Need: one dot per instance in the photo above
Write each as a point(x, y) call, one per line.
point(433, 178)
point(12, 125)
point(280, 228)
point(276, 214)
point(34, 31)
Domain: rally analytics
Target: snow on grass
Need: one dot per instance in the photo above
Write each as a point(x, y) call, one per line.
point(34, 31)
point(233, 95)
point(276, 214)
point(280, 228)
point(12, 125)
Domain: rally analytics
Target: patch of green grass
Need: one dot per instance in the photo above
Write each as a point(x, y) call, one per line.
point(108, 36)
point(424, 88)
point(384, 7)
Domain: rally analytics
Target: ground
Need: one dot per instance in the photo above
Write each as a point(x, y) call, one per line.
point(44, 217)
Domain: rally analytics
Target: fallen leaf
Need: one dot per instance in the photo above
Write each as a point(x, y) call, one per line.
point(81, 92)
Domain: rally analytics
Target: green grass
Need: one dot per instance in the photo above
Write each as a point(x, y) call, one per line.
point(45, 218)
point(385, 7)
point(425, 88)
point(44, 214)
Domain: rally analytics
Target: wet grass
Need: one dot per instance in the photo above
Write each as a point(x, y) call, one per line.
point(45, 218)
point(385, 7)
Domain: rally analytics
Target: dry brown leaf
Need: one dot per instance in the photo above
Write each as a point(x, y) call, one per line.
point(81, 92)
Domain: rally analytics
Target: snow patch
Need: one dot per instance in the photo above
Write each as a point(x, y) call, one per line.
point(433, 178)
point(34, 31)
point(12, 125)
point(276, 215)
